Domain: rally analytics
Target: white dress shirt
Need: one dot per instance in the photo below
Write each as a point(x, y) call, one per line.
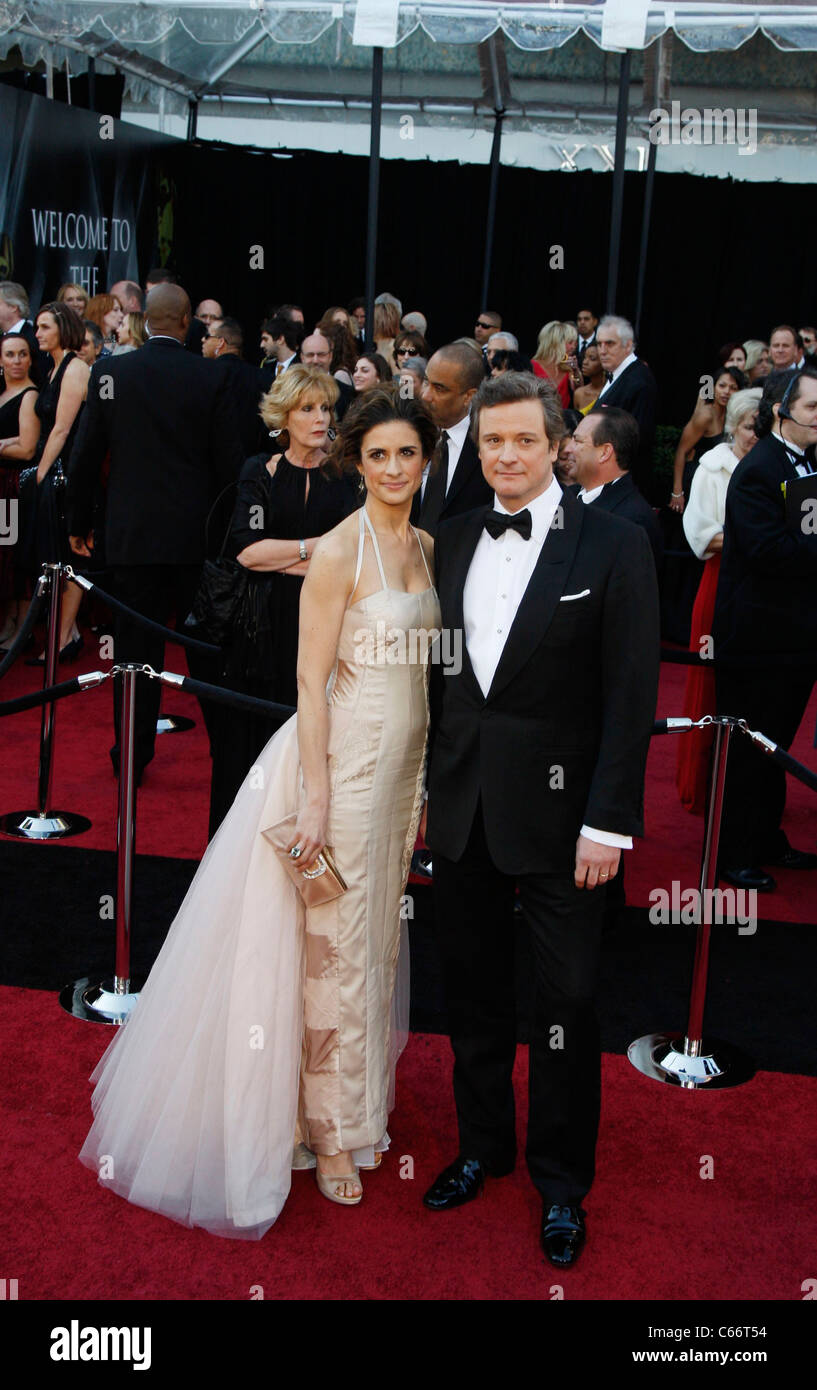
point(622, 367)
point(499, 574)
point(18, 326)
point(457, 436)
point(803, 469)
point(595, 492)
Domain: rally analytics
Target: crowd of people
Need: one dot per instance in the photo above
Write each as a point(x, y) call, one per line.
point(337, 478)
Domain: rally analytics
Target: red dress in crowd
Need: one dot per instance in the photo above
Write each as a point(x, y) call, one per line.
point(562, 384)
point(699, 698)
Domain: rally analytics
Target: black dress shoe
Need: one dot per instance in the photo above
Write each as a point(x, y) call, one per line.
point(563, 1234)
point(460, 1182)
point(750, 878)
point(795, 859)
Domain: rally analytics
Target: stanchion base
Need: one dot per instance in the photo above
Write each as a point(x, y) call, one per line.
point(661, 1057)
point(30, 825)
point(96, 1002)
point(174, 724)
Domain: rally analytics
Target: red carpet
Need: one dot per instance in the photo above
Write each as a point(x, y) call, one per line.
point(746, 1233)
point(173, 799)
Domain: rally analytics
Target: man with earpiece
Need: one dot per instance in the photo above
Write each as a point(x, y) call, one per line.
point(766, 613)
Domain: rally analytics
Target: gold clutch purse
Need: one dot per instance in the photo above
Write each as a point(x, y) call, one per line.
point(316, 886)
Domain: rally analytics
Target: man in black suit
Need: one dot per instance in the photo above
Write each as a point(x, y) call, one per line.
point(244, 383)
point(455, 482)
point(538, 744)
point(603, 449)
point(281, 338)
point(587, 323)
point(168, 423)
point(766, 606)
point(630, 385)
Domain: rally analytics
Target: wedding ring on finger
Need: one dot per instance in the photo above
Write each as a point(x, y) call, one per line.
point(295, 852)
point(604, 875)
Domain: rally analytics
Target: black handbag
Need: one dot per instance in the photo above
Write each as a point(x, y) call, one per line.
point(222, 589)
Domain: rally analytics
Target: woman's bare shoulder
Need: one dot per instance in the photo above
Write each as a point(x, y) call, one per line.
point(339, 545)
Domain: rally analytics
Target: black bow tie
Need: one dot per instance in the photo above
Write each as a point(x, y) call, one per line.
point(609, 376)
point(497, 523)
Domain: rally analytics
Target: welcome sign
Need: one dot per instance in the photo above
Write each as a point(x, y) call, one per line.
point(78, 196)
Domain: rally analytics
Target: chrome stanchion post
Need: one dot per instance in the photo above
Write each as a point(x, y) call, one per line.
point(110, 1001)
point(45, 824)
point(692, 1061)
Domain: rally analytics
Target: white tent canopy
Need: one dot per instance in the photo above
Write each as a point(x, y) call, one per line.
point(191, 46)
point(297, 73)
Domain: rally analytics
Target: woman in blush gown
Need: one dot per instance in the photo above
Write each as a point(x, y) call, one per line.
point(266, 1035)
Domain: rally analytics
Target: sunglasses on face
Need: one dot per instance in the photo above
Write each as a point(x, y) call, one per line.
point(407, 352)
point(480, 324)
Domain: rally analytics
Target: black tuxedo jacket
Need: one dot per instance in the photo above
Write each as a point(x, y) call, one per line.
point(561, 739)
point(636, 391)
point(767, 589)
point(169, 424)
point(245, 385)
point(623, 499)
point(468, 490)
point(580, 350)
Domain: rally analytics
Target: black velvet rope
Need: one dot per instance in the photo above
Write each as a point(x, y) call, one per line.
point(170, 634)
point(803, 774)
point(233, 697)
point(42, 697)
point(21, 640)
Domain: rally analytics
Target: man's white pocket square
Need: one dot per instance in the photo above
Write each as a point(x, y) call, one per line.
point(568, 598)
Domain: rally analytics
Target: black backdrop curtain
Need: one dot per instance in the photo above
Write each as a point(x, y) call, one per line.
point(727, 260)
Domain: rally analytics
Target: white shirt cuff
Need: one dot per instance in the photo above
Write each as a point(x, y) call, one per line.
point(607, 837)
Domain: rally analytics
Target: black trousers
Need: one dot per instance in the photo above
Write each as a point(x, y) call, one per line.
point(474, 915)
point(772, 701)
point(156, 591)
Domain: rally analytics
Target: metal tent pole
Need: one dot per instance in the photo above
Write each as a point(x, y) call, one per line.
point(618, 183)
point(374, 192)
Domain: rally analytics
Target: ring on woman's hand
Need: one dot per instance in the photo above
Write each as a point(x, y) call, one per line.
point(604, 875)
point(295, 852)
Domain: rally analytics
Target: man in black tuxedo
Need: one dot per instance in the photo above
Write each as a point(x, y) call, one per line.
point(455, 482)
point(538, 743)
point(587, 323)
point(766, 606)
point(243, 382)
point(281, 338)
point(630, 385)
point(168, 423)
point(603, 450)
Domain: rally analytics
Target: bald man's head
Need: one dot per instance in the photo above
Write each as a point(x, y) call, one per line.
point(167, 310)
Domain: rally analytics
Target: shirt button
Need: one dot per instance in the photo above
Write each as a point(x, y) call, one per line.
point(499, 629)
point(508, 559)
point(503, 595)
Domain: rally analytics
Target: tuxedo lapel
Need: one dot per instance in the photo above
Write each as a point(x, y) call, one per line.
point(612, 494)
point(466, 463)
point(455, 573)
point(544, 590)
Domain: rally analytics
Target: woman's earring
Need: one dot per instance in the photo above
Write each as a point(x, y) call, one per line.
point(273, 434)
point(331, 433)
point(361, 487)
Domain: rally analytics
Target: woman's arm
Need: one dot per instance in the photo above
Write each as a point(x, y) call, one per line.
point(270, 555)
point(73, 391)
point(693, 431)
point(24, 445)
point(324, 598)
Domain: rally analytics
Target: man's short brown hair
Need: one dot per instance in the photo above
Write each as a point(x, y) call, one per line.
point(520, 386)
